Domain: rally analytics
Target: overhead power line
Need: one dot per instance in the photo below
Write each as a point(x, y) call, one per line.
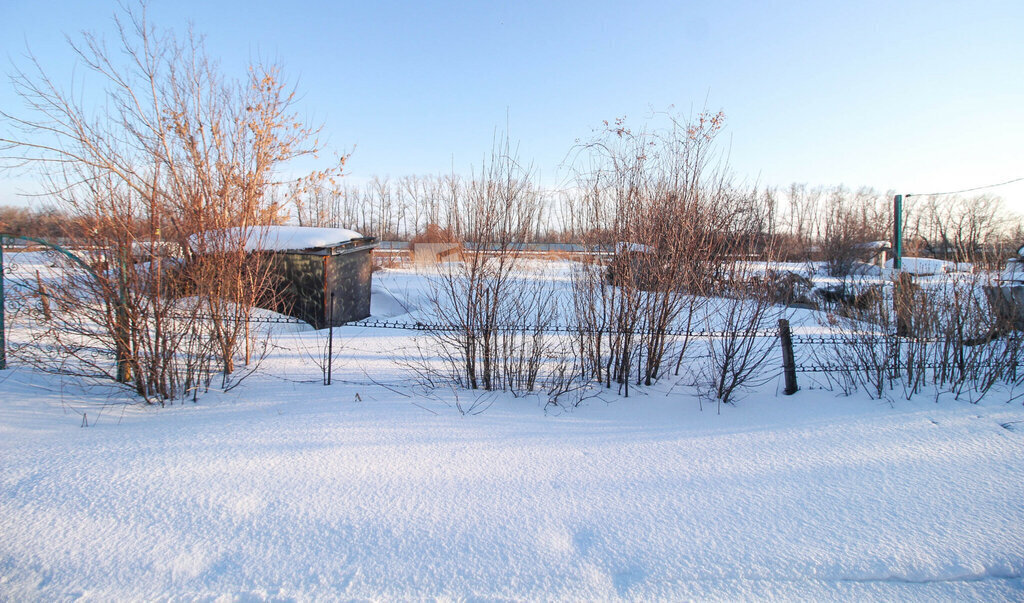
point(966, 190)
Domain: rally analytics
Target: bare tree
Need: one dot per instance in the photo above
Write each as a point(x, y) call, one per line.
point(962, 229)
point(494, 315)
point(180, 157)
point(654, 201)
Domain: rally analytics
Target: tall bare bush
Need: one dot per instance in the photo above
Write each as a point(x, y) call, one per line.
point(495, 316)
point(177, 150)
point(741, 320)
point(659, 207)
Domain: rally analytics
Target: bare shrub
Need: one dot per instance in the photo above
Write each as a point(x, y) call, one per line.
point(968, 358)
point(176, 155)
point(939, 337)
point(850, 223)
point(321, 349)
point(866, 347)
point(494, 317)
point(739, 349)
point(655, 202)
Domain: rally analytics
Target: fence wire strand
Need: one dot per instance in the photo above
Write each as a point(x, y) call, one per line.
point(834, 339)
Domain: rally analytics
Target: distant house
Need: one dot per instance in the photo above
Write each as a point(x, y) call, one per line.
point(433, 253)
point(147, 249)
point(313, 267)
point(875, 252)
point(435, 245)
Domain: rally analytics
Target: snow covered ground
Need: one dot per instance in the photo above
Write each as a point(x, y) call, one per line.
point(370, 488)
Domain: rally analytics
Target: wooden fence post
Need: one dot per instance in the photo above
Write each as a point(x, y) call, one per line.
point(788, 363)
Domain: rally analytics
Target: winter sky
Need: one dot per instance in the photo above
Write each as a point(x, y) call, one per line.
point(915, 97)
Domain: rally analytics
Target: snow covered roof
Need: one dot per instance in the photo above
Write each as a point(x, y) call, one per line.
point(280, 238)
point(874, 245)
point(1013, 272)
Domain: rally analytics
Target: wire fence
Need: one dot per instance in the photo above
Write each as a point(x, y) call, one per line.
point(867, 366)
point(813, 363)
point(819, 350)
point(858, 338)
point(817, 363)
point(506, 328)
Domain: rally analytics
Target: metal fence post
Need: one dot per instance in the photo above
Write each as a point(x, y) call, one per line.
point(897, 233)
point(788, 362)
point(330, 340)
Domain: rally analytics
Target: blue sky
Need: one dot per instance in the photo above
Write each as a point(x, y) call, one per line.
point(912, 96)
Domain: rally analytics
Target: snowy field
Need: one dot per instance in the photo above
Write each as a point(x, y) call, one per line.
point(284, 489)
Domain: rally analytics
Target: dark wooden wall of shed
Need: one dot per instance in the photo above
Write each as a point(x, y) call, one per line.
point(299, 290)
point(348, 276)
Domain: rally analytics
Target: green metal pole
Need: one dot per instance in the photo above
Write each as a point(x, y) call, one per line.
point(900, 282)
point(897, 232)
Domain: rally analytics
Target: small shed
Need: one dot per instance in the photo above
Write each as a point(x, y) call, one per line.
point(308, 265)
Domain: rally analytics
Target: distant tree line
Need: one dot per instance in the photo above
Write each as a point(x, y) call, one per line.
point(50, 224)
point(831, 224)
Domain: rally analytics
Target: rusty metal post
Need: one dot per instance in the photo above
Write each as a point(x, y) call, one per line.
point(788, 360)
